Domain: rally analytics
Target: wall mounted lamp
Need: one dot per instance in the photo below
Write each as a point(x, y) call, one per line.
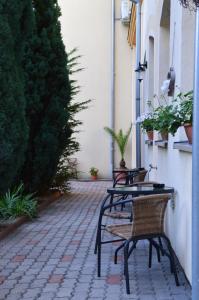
point(142, 67)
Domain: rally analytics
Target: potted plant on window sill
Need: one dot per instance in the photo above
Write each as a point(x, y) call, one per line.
point(147, 124)
point(94, 173)
point(186, 112)
point(167, 120)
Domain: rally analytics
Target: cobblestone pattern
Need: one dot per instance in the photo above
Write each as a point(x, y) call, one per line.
point(52, 258)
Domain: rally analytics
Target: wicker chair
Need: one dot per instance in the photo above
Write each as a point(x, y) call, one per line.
point(148, 223)
point(122, 178)
point(137, 176)
point(120, 213)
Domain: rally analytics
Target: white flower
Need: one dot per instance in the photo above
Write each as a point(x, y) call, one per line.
point(165, 86)
point(143, 117)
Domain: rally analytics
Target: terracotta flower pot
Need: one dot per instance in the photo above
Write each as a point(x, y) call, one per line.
point(188, 130)
point(94, 177)
point(164, 135)
point(122, 163)
point(150, 135)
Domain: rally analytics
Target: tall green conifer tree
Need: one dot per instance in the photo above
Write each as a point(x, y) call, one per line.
point(13, 126)
point(49, 93)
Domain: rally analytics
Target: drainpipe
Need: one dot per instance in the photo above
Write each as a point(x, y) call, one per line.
point(137, 86)
point(112, 96)
point(195, 172)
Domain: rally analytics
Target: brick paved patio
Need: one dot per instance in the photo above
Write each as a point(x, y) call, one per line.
point(52, 258)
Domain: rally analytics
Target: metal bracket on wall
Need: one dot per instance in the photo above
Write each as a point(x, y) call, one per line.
point(151, 167)
point(172, 202)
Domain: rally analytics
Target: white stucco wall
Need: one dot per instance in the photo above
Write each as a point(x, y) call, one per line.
point(87, 26)
point(174, 168)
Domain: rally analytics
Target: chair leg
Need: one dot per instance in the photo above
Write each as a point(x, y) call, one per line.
point(157, 250)
point(99, 254)
point(126, 268)
point(96, 241)
point(161, 246)
point(132, 248)
point(150, 253)
point(100, 221)
point(111, 202)
point(116, 252)
point(172, 259)
point(122, 207)
point(99, 244)
point(97, 236)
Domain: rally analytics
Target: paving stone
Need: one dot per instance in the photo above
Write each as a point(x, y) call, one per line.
point(62, 298)
point(38, 283)
point(14, 297)
point(43, 275)
point(81, 296)
point(27, 279)
point(56, 278)
point(9, 284)
point(18, 258)
point(69, 283)
point(32, 292)
point(67, 258)
point(114, 279)
point(2, 279)
point(51, 287)
point(64, 292)
point(3, 293)
point(98, 293)
point(47, 296)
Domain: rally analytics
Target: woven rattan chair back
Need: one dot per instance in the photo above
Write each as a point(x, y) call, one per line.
point(148, 214)
point(140, 176)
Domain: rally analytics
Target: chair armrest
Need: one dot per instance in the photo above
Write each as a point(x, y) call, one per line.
point(127, 178)
point(116, 204)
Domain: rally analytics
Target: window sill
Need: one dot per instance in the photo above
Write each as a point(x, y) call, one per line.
point(183, 146)
point(149, 143)
point(161, 144)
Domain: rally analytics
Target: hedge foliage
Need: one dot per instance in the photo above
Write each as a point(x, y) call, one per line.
point(36, 95)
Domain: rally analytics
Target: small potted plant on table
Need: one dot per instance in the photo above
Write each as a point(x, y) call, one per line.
point(94, 173)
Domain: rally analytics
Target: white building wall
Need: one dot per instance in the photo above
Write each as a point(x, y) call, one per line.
point(87, 26)
point(174, 168)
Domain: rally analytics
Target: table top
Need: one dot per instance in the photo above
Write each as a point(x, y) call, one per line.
point(139, 190)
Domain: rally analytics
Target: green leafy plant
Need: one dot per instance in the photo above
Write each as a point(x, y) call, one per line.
point(186, 107)
point(94, 171)
point(17, 203)
point(61, 179)
point(146, 121)
point(167, 119)
point(63, 173)
point(121, 139)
